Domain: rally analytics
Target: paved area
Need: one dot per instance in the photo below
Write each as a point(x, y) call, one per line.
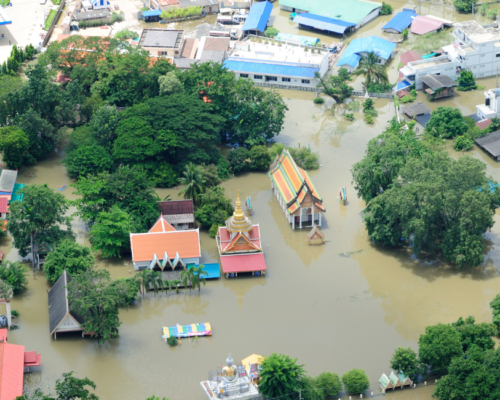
point(27, 21)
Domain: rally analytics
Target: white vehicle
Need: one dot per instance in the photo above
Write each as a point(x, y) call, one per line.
point(219, 33)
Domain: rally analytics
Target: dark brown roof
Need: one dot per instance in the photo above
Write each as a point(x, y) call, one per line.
point(176, 207)
point(436, 82)
point(490, 143)
point(58, 302)
point(416, 109)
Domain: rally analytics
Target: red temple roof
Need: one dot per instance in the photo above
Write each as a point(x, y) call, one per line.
point(11, 371)
point(243, 263)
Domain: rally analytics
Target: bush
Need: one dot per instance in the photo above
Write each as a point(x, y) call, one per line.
point(413, 92)
point(466, 80)
point(127, 34)
point(386, 9)
point(319, 100)
point(172, 341)
point(369, 119)
point(355, 381)
point(260, 159)
point(349, 116)
point(492, 14)
point(127, 290)
point(238, 159)
point(404, 35)
point(354, 105)
point(328, 384)
point(14, 273)
point(375, 87)
point(407, 99)
point(15, 313)
point(483, 9)
point(463, 143)
point(304, 157)
point(181, 12)
point(271, 32)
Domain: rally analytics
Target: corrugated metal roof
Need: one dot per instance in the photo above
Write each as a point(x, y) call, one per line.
point(436, 82)
point(323, 23)
point(383, 48)
point(401, 20)
point(258, 16)
point(7, 181)
point(273, 69)
point(422, 25)
point(490, 143)
point(306, 40)
point(349, 10)
point(4, 18)
point(151, 13)
point(11, 370)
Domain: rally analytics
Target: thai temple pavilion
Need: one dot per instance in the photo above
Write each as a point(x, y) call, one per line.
point(165, 247)
point(239, 245)
point(301, 203)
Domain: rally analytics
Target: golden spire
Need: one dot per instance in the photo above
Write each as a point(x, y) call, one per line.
point(238, 212)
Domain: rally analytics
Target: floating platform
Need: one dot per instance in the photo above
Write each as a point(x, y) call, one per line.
point(184, 331)
point(343, 196)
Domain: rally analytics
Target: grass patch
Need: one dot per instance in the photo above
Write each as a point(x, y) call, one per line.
point(49, 19)
point(424, 44)
point(4, 3)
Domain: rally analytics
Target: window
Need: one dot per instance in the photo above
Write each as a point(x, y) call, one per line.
point(306, 81)
point(271, 78)
point(244, 75)
point(285, 79)
point(483, 55)
point(498, 55)
point(257, 77)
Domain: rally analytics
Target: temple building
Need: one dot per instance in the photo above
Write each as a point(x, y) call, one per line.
point(298, 198)
point(239, 245)
point(165, 248)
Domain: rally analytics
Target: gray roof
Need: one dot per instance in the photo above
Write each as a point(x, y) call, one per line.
point(179, 218)
point(436, 82)
point(7, 180)
point(490, 143)
point(58, 303)
point(202, 3)
point(423, 119)
point(416, 109)
point(160, 38)
point(213, 55)
point(184, 63)
point(92, 14)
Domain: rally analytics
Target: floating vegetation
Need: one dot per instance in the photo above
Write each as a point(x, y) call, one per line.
point(349, 253)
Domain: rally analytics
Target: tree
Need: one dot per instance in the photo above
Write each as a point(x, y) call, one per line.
point(386, 9)
point(126, 34)
point(464, 6)
point(156, 281)
point(92, 297)
point(328, 384)
point(169, 84)
point(14, 273)
point(238, 159)
point(13, 144)
point(446, 121)
point(475, 335)
point(369, 66)
point(127, 289)
point(356, 381)
point(176, 284)
point(304, 157)
point(144, 278)
point(71, 388)
point(495, 309)
point(211, 175)
point(70, 256)
point(463, 143)
point(104, 124)
point(111, 233)
point(271, 32)
point(336, 86)
point(38, 218)
point(280, 376)
point(187, 278)
point(466, 80)
point(87, 160)
point(194, 183)
point(198, 276)
point(406, 360)
point(438, 346)
point(260, 159)
point(215, 208)
point(6, 290)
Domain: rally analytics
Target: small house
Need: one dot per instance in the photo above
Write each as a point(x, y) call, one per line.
point(258, 17)
point(162, 42)
point(490, 144)
point(179, 214)
point(61, 318)
point(438, 86)
point(361, 47)
point(422, 25)
point(400, 21)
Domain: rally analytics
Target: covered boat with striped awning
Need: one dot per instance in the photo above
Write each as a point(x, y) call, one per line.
point(183, 331)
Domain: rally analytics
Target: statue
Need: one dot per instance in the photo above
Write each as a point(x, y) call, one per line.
point(229, 371)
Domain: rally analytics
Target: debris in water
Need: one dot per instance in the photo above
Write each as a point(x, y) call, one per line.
point(348, 253)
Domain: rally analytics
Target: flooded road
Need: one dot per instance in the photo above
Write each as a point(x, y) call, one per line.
point(331, 312)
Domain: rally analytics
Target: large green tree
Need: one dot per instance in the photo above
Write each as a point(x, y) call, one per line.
point(14, 144)
point(14, 273)
point(194, 183)
point(214, 210)
point(370, 67)
point(475, 335)
point(39, 218)
point(104, 124)
point(447, 122)
point(87, 160)
point(70, 256)
point(281, 377)
point(405, 360)
point(465, 6)
point(93, 297)
point(438, 346)
point(336, 86)
point(356, 381)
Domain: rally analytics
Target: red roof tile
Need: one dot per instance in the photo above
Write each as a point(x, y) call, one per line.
point(161, 225)
point(3, 204)
point(483, 124)
point(226, 241)
point(176, 207)
point(243, 263)
point(11, 371)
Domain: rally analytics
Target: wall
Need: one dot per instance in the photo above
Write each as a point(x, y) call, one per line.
point(155, 51)
point(53, 24)
point(369, 17)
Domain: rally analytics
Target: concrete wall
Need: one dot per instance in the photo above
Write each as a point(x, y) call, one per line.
point(374, 14)
point(171, 52)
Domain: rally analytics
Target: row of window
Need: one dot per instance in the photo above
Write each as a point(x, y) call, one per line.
point(273, 78)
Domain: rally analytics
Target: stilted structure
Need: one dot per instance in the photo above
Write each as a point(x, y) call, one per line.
point(315, 235)
point(295, 192)
point(239, 245)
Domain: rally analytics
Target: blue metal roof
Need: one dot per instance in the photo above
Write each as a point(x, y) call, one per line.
point(306, 40)
point(403, 84)
point(4, 18)
point(323, 23)
point(258, 16)
point(151, 13)
point(212, 269)
point(383, 48)
point(274, 69)
point(401, 20)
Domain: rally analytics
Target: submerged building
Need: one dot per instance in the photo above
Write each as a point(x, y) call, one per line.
point(298, 198)
point(361, 47)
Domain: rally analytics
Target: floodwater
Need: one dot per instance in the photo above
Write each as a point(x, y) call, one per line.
point(331, 312)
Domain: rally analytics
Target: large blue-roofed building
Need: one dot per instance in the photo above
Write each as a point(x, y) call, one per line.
point(258, 17)
point(400, 21)
point(360, 47)
point(323, 23)
point(289, 37)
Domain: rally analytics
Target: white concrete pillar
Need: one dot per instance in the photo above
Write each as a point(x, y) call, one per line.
point(9, 316)
point(312, 209)
point(300, 226)
point(319, 224)
point(293, 222)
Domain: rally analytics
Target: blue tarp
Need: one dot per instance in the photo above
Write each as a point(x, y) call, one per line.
point(4, 18)
point(258, 17)
point(273, 69)
point(403, 84)
point(99, 4)
point(306, 40)
point(401, 20)
point(383, 48)
point(323, 23)
point(151, 13)
point(425, 57)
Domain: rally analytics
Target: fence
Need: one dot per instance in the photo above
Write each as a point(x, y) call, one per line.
point(53, 24)
point(291, 87)
point(377, 95)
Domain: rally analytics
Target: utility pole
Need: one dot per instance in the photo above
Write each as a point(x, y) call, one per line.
point(473, 4)
point(420, 7)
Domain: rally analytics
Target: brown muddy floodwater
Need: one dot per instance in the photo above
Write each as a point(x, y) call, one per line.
point(331, 312)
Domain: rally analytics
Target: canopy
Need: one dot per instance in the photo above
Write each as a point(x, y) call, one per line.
point(253, 359)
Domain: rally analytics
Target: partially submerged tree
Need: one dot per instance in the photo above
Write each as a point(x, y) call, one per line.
point(14, 273)
point(405, 360)
point(438, 346)
point(14, 145)
point(194, 183)
point(370, 67)
point(356, 381)
point(281, 377)
point(447, 122)
point(336, 86)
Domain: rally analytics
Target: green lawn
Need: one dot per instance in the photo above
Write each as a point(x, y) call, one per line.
point(50, 17)
point(4, 3)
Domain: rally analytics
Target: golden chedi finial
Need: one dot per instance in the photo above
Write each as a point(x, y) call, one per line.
point(238, 212)
point(238, 222)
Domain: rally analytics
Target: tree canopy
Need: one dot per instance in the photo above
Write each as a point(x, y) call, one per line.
point(447, 122)
point(438, 346)
point(14, 145)
point(214, 210)
point(280, 376)
point(336, 86)
point(14, 273)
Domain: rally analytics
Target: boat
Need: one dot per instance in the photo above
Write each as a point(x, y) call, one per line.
point(63, 187)
point(343, 196)
point(184, 331)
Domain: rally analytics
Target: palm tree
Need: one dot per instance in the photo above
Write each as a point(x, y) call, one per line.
point(194, 181)
point(199, 275)
point(143, 278)
point(187, 278)
point(167, 284)
point(370, 68)
point(176, 283)
point(156, 280)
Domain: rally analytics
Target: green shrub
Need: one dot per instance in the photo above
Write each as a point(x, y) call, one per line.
point(172, 341)
point(50, 18)
point(354, 105)
point(355, 381)
point(407, 99)
point(413, 92)
point(404, 35)
point(15, 313)
point(386, 9)
point(349, 116)
point(319, 100)
point(329, 384)
point(483, 9)
point(271, 32)
point(492, 14)
point(127, 34)
point(463, 143)
point(14, 273)
point(369, 119)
